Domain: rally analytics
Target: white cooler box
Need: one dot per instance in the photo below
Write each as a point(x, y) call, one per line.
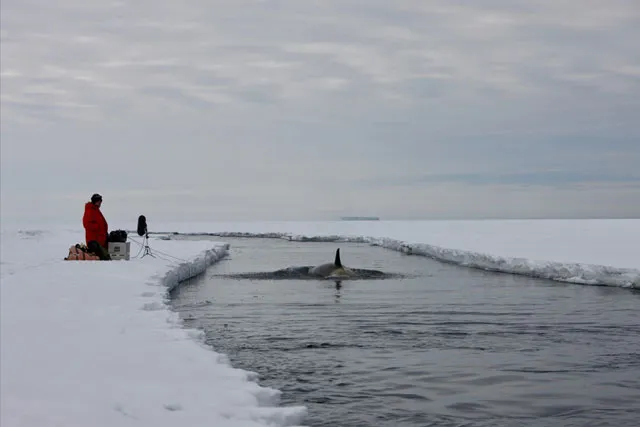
point(119, 250)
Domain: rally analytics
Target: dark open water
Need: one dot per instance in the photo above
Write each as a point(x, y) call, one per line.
point(449, 347)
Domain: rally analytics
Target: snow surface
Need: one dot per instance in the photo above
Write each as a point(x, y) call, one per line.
point(94, 343)
point(90, 343)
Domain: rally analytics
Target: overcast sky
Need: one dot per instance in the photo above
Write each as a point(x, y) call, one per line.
point(314, 109)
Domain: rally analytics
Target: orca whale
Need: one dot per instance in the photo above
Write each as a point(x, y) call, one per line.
point(329, 271)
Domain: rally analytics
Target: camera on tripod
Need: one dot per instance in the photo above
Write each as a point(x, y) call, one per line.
point(144, 232)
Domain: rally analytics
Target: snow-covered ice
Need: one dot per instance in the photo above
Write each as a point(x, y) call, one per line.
point(94, 343)
point(90, 343)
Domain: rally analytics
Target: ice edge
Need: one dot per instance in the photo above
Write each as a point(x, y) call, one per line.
point(189, 269)
point(268, 412)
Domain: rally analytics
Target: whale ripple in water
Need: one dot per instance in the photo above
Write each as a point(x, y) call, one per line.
point(330, 271)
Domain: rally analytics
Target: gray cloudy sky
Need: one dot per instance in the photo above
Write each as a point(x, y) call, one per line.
point(313, 109)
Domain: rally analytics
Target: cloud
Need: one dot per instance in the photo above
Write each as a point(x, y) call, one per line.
point(551, 178)
point(333, 103)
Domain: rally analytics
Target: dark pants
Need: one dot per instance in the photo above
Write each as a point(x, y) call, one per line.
point(95, 248)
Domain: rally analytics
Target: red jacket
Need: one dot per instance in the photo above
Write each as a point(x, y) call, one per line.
point(95, 225)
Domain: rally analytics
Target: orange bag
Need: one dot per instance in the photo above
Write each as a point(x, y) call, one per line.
point(81, 253)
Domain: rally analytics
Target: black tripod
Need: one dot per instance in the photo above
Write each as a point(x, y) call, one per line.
point(147, 249)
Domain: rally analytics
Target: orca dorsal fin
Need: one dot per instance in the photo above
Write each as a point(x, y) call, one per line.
point(337, 261)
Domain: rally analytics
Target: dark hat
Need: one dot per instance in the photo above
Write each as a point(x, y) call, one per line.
point(96, 198)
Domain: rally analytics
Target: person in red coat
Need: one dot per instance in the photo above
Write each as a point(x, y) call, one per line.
point(96, 228)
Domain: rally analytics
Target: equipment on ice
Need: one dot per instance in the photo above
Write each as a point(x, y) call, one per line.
point(144, 232)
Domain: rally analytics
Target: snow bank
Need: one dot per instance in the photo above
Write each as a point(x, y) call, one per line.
point(563, 272)
point(94, 343)
point(594, 252)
